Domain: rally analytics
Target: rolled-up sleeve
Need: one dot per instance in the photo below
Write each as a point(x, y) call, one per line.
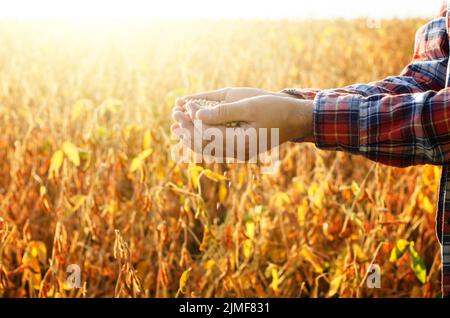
point(399, 130)
point(336, 121)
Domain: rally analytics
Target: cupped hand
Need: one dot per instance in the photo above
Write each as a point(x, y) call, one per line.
point(291, 117)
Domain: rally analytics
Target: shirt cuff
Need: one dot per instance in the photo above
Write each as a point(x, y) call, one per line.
point(336, 121)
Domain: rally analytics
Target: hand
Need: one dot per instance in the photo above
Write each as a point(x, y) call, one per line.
point(227, 95)
point(293, 117)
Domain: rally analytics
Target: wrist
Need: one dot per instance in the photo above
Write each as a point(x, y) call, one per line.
point(302, 121)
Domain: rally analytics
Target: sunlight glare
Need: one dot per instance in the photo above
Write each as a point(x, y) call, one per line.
point(179, 9)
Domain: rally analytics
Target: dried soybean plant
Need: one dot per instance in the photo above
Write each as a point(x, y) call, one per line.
point(128, 283)
point(86, 175)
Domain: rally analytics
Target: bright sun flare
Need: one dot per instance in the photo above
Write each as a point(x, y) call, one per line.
point(129, 9)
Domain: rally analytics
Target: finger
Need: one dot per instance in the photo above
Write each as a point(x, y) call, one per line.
point(180, 116)
point(178, 108)
point(179, 102)
point(185, 131)
point(176, 111)
point(204, 136)
point(175, 126)
point(237, 144)
point(186, 123)
point(192, 108)
point(225, 113)
point(178, 132)
point(188, 136)
point(181, 127)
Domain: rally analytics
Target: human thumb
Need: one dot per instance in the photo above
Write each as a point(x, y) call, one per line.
point(192, 109)
point(223, 113)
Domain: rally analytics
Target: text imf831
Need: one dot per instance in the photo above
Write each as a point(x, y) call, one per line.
point(229, 308)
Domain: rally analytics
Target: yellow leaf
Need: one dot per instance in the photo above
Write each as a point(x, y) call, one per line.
point(223, 191)
point(425, 203)
point(194, 172)
point(247, 248)
point(112, 207)
point(42, 190)
point(400, 248)
point(135, 164)
point(313, 259)
point(138, 161)
point(281, 199)
point(183, 280)
point(335, 284)
point(418, 265)
point(274, 279)
point(145, 154)
point(359, 254)
point(209, 265)
point(71, 151)
point(298, 185)
point(32, 271)
point(301, 212)
point(29, 261)
point(36, 252)
point(146, 143)
point(39, 250)
point(250, 233)
point(55, 164)
point(355, 188)
point(250, 229)
point(77, 201)
point(317, 195)
point(200, 211)
point(214, 176)
point(206, 238)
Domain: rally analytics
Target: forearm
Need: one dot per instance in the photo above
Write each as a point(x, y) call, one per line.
point(301, 112)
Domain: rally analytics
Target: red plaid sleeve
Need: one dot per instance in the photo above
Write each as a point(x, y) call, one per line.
point(399, 130)
point(399, 120)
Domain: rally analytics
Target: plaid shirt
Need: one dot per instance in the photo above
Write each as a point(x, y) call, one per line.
point(399, 121)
